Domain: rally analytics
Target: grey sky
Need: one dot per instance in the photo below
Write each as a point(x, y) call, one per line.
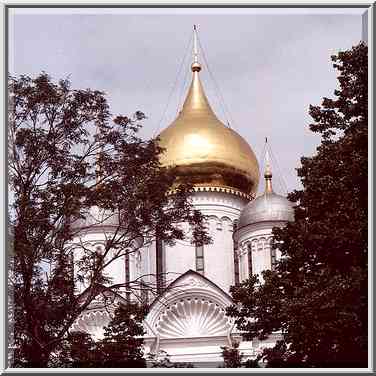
point(269, 64)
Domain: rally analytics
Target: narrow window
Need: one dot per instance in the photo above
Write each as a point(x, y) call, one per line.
point(127, 276)
point(98, 261)
point(236, 266)
point(250, 271)
point(160, 265)
point(236, 258)
point(200, 259)
point(273, 256)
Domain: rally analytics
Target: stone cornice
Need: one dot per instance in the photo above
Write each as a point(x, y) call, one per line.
point(221, 189)
point(246, 232)
point(224, 190)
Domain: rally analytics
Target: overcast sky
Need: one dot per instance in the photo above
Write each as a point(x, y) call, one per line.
point(269, 64)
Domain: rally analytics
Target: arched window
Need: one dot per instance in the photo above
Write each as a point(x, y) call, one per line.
point(273, 255)
point(200, 265)
point(250, 249)
point(260, 244)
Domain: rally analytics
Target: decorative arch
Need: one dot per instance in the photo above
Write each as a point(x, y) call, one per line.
point(92, 322)
point(225, 218)
point(192, 306)
point(193, 317)
point(99, 313)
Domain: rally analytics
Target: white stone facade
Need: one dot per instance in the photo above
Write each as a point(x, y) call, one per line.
point(254, 247)
point(188, 319)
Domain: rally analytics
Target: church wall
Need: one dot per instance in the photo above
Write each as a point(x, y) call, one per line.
point(222, 209)
point(218, 256)
point(179, 259)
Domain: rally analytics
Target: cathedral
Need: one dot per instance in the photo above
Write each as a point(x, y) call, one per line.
point(187, 317)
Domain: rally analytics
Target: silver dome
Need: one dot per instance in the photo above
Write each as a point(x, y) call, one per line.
point(268, 207)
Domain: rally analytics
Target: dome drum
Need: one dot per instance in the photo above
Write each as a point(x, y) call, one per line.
point(216, 174)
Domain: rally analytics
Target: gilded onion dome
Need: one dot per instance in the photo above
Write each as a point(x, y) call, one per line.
point(202, 148)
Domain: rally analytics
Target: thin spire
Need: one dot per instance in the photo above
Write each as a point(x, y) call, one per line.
point(196, 66)
point(196, 101)
point(268, 171)
point(195, 51)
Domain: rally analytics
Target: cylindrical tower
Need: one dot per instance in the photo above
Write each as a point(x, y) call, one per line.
point(92, 233)
point(254, 230)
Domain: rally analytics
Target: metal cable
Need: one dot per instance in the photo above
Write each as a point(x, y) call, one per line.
point(226, 113)
point(184, 83)
point(280, 175)
point(173, 87)
point(262, 158)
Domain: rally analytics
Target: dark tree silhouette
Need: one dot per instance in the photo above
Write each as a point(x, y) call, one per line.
point(232, 358)
point(317, 296)
point(122, 343)
point(162, 360)
point(121, 346)
point(66, 157)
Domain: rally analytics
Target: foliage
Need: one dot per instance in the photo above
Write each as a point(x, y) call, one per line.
point(162, 360)
point(121, 346)
point(69, 158)
point(77, 349)
point(232, 358)
point(317, 296)
point(122, 343)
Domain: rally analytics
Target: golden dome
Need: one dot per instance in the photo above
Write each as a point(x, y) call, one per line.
point(204, 149)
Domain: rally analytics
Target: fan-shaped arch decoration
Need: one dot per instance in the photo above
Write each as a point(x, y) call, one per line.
point(193, 317)
point(92, 323)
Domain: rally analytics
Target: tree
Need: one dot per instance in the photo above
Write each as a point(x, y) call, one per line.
point(232, 358)
point(77, 349)
point(317, 296)
point(122, 343)
point(121, 346)
point(162, 360)
point(66, 157)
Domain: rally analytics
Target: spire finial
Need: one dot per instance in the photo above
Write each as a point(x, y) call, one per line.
point(196, 66)
point(268, 171)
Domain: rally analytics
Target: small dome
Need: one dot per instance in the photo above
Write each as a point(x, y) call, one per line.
point(268, 207)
